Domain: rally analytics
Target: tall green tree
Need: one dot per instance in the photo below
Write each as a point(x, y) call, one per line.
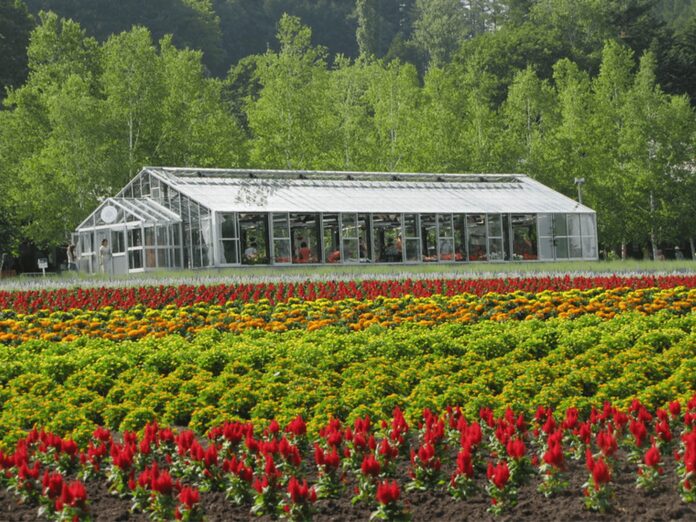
point(193, 23)
point(439, 28)
point(394, 96)
point(288, 118)
point(15, 25)
point(380, 22)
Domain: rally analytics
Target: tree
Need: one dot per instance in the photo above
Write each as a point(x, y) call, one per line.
point(440, 27)
point(15, 26)
point(379, 22)
point(134, 87)
point(530, 115)
point(355, 142)
point(677, 69)
point(288, 118)
point(197, 128)
point(394, 95)
point(193, 23)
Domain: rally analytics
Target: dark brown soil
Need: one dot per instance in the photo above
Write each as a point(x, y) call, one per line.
point(629, 504)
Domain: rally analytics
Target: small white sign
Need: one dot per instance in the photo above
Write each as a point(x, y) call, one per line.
point(43, 263)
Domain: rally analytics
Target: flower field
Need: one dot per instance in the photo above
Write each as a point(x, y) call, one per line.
point(351, 314)
point(125, 298)
point(391, 399)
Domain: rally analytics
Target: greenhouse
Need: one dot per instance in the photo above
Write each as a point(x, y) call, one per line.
point(170, 218)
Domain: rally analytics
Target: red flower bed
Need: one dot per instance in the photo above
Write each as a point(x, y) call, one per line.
point(284, 472)
point(184, 295)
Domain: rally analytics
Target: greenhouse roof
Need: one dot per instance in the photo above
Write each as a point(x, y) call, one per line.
point(142, 210)
point(247, 190)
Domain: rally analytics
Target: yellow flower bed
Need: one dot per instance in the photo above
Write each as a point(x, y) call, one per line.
point(350, 314)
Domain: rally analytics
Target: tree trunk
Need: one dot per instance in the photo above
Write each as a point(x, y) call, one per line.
point(691, 245)
point(624, 251)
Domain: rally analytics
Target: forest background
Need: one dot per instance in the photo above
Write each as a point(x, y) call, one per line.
point(92, 90)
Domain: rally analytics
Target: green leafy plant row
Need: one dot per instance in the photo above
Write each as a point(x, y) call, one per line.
point(69, 388)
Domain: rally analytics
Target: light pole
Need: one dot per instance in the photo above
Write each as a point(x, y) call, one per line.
point(579, 182)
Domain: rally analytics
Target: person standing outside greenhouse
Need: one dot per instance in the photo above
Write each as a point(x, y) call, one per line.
point(105, 257)
point(72, 258)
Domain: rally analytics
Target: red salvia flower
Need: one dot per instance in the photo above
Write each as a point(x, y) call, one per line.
point(189, 497)
point(388, 492)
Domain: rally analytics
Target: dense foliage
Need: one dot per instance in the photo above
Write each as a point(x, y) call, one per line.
point(71, 387)
point(558, 89)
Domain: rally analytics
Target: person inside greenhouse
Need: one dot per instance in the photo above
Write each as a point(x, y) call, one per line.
point(105, 257)
point(251, 252)
point(391, 253)
point(304, 254)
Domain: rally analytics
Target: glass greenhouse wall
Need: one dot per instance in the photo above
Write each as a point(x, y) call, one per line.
point(173, 218)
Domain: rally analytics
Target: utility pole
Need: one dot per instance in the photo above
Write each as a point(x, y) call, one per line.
point(579, 182)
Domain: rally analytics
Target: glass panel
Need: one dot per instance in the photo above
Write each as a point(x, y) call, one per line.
point(445, 222)
point(496, 252)
point(145, 184)
point(280, 226)
point(253, 231)
point(162, 258)
point(174, 202)
point(495, 225)
point(545, 248)
point(136, 192)
point(575, 247)
point(459, 237)
point(446, 249)
point(365, 238)
point(176, 256)
point(86, 242)
point(135, 259)
point(228, 251)
point(545, 225)
point(476, 231)
point(351, 250)
point(162, 236)
point(559, 225)
point(349, 227)
point(561, 247)
point(413, 250)
point(524, 240)
point(387, 237)
point(587, 223)
point(228, 228)
point(411, 225)
point(429, 236)
point(305, 232)
point(281, 251)
point(573, 225)
point(135, 238)
point(149, 236)
point(589, 248)
point(206, 236)
point(118, 241)
point(176, 239)
point(150, 258)
point(127, 192)
point(155, 192)
point(332, 252)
